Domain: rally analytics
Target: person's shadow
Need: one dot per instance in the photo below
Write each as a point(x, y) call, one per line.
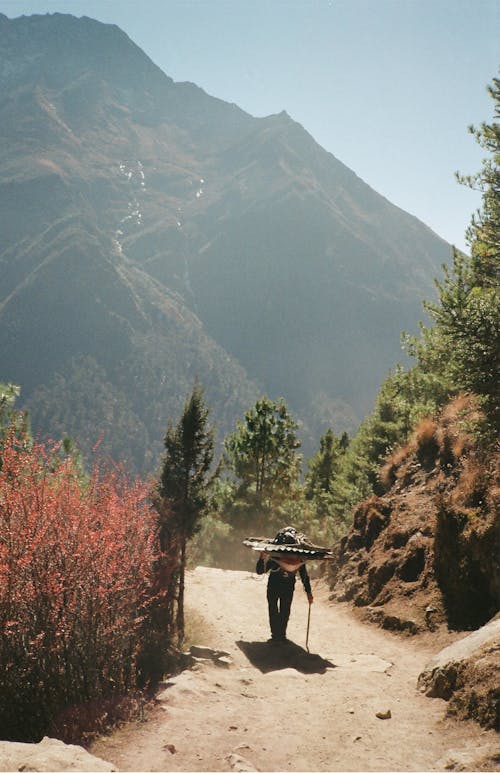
point(269, 657)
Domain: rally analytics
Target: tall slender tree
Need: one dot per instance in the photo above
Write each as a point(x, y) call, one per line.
point(262, 455)
point(323, 466)
point(184, 484)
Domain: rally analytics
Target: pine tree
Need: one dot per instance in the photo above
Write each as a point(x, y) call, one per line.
point(184, 484)
point(467, 315)
point(323, 466)
point(262, 455)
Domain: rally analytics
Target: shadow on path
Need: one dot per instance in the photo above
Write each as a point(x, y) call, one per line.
point(268, 657)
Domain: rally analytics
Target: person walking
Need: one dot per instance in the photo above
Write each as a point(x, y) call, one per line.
point(281, 584)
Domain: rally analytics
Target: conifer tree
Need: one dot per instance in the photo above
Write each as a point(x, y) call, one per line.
point(262, 455)
point(467, 315)
point(322, 468)
point(184, 484)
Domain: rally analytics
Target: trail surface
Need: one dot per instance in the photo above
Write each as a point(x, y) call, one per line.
point(284, 709)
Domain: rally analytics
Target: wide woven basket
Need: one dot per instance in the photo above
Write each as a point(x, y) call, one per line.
point(303, 550)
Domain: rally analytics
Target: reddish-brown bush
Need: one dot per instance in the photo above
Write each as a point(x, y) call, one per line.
point(77, 581)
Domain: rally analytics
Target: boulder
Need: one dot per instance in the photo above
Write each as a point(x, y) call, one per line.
point(438, 679)
point(49, 755)
point(206, 653)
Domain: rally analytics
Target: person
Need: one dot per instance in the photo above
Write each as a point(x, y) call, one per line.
point(281, 584)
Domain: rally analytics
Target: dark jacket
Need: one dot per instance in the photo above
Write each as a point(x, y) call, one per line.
point(281, 576)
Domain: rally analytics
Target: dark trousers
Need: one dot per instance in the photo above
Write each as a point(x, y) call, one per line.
point(279, 599)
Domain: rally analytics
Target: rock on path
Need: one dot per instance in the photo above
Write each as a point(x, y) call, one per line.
point(49, 755)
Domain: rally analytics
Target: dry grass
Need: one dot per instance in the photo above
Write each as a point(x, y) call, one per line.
point(426, 443)
point(82, 724)
point(389, 473)
point(445, 441)
point(454, 434)
point(472, 486)
point(196, 629)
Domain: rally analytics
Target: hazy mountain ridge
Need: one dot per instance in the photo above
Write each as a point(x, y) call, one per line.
point(133, 209)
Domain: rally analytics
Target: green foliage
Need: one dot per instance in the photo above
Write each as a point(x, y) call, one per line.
point(483, 232)
point(468, 325)
point(82, 403)
point(467, 316)
point(209, 546)
point(387, 427)
point(403, 399)
point(184, 479)
point(458, 353)
point(12, 420)
point(262, 458)
point(182, 494)
point(323, 469)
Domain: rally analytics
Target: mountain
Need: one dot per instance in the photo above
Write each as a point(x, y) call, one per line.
point(153, 234)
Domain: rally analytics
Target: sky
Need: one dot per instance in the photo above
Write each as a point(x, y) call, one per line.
point(389, 87)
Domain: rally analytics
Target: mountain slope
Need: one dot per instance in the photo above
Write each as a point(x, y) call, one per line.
point(144, 219)
point(112, 353)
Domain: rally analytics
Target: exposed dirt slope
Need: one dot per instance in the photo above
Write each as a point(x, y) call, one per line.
point(284, 709)
point(425, 555)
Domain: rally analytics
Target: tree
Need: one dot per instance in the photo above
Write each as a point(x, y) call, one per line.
point(467, 315)
point(262, 456)
point(483, 233)
point(185, 479)
point(323, 466)
point(458, 353)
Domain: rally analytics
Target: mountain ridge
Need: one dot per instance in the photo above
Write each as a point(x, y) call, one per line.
point(274, 250)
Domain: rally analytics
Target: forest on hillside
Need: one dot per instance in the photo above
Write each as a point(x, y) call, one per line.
point(92, 561)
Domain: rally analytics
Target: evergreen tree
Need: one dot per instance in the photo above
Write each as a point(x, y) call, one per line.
point(184, 484)
point(467, 315)
point(483, 231)
point(262, 456)
point(458, 353)
point(323, 466)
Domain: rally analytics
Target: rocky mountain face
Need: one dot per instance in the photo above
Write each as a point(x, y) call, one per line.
point(152, 235)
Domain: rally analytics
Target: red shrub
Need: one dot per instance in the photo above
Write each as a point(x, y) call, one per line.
point(77, 573)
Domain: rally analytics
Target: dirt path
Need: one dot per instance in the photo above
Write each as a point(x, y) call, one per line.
point(283, 709)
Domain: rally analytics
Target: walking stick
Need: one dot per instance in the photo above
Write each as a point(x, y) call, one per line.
point(308, 623)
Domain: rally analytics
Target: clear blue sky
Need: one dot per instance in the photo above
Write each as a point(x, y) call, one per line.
point(388, 86)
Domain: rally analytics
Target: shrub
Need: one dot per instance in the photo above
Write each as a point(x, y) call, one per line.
point(77, 579)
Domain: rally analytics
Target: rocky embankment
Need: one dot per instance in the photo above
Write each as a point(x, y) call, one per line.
point(425, 555)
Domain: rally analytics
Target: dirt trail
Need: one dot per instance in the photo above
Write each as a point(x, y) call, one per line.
point(284, 709)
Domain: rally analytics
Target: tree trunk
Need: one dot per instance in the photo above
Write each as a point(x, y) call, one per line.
point(180, 597)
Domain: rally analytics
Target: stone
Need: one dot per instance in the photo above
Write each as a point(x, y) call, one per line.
point(459, 759)
point(224, 661)
point(207, 653)
point(437, 680)
point(240, 764)
point(49, 754)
